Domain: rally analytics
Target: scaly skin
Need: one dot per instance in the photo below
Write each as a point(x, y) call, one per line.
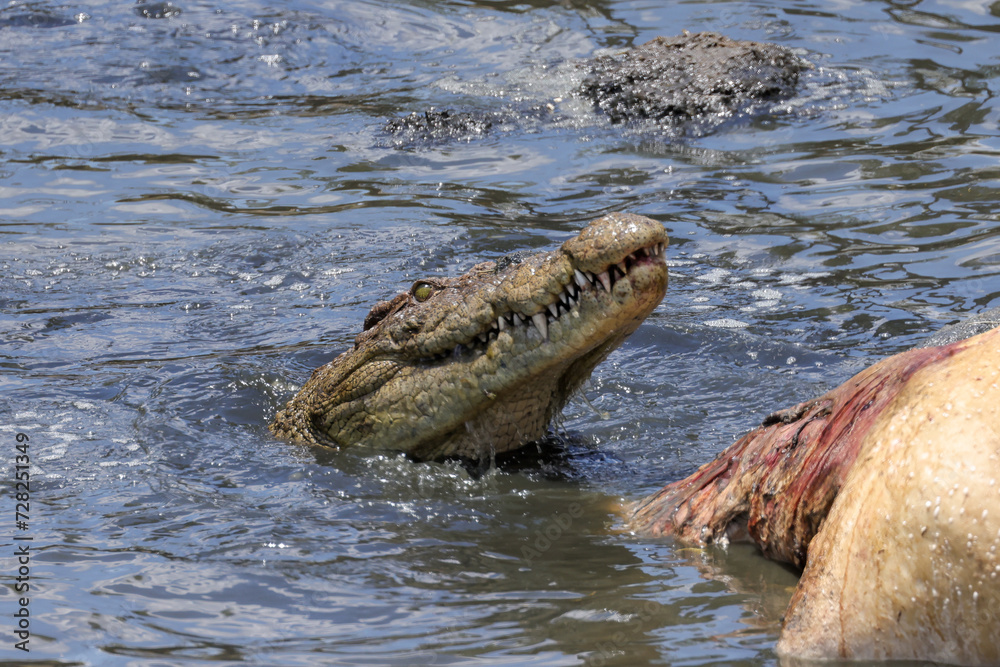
point(684, 85)
point(477, 365)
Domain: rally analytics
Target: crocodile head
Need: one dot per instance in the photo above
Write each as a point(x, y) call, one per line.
point(480, 364)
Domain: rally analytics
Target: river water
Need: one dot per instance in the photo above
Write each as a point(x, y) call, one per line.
point(198, 206)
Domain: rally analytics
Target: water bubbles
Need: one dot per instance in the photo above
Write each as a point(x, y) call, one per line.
point(714, 276)
point(726, 323)
point(766, 294)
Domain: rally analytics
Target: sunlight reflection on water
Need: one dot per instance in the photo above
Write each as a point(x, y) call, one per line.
point(199, 208)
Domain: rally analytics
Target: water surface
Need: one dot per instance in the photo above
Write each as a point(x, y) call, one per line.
point(198, 207)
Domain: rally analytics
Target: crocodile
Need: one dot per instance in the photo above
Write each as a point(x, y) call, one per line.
point(688, 84)
point(477, 365)
point(883, 491)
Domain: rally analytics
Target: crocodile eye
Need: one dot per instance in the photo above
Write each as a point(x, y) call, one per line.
point(422, 291)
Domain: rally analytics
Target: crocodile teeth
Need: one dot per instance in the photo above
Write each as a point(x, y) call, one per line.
point(568, 298)
point(541, 324)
